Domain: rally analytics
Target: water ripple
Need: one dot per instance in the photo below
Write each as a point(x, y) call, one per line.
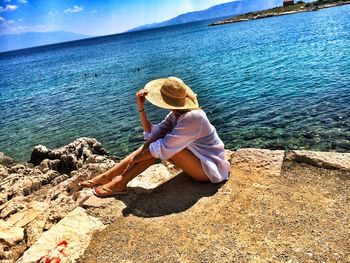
point(279, 83)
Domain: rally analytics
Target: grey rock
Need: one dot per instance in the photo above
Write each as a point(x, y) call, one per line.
point(94, 201)
point(11, 207)
point(3, 171)
point(11, 234)
point(70, 157)
point(328, 160)
point(47, 164)
point(75, 229)
point(258, 161)
point(18, 168)
point(6, 161)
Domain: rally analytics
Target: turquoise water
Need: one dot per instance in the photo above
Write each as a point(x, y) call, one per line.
point(279, 83)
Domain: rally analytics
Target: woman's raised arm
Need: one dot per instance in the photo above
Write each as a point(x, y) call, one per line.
point(140, 98)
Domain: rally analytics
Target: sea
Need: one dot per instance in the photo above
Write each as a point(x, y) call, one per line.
point(275, 83)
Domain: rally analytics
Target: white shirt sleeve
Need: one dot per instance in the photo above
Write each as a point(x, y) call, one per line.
point(185, 132)
point(160, 129)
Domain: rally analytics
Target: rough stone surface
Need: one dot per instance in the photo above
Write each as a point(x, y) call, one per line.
point(150, 179)
point(24, 217)
point(273, 208)
point(6, 160)
point(64, 241)
point(329, 160)
point(35, 228)
point(94, 201)
point(229, 154)
point(11, 207)
point(258, 161)
point(302, 215)
point(70, 157)
point(23, 181)
point(10, 234)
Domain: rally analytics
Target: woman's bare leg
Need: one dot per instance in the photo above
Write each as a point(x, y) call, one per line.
point(119, 183)
point(185, 160)
point(190, 164)
point(118, 169)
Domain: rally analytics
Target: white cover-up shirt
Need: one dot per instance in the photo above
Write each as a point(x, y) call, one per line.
point(192, 130)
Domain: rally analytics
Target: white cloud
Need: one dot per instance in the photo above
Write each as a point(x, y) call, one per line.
point(51, 13)
point(8, 8)
point(9, 28)
point(74, 9)
point(22, 1)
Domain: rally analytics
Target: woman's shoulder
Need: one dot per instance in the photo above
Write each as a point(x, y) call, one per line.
point(196, 114)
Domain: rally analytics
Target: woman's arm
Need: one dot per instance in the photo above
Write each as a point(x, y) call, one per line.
point(140, 98)
point(187, 130)
point(145, 154)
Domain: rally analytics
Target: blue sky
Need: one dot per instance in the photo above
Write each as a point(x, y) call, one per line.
point(92, 18)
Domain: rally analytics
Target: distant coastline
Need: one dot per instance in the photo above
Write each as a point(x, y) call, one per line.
point(283, 10)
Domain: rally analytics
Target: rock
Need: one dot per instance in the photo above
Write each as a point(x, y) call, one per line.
point(70, 157)
point(65, 241)
point(6, 161)
point(228, 155)
point(47, 164)
point(258, 161)
point(18, 168)
point(52, 177)
point(151, 178)
point(10, 234)
point(25, 186)
point(82, 196)
point(25, 183)
point(58, 211)
point(328, 160)
point(35, 228)
point(5, 253)
point(260, 186)
point(11, 207)
point(59, 179)
point(255, 218)
point(3, 171)
point(94, 201)
point(24, 217)
point(39, 153)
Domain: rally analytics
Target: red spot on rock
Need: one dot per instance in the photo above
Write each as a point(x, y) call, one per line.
point(54, 255)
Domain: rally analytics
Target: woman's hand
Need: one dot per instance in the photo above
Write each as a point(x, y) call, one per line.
point(140, 98)
point(141, 156)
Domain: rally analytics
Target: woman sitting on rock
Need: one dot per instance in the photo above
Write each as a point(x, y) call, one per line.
point(185, 137)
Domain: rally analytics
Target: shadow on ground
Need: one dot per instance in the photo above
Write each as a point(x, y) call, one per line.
point(176, 195)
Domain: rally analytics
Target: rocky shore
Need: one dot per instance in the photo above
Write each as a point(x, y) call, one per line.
point(280, 11)
point(276, 206)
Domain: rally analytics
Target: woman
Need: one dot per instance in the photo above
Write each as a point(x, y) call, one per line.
point(185, 138)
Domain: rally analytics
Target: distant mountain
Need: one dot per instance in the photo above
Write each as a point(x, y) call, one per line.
point(32, 39)
point(218, 11)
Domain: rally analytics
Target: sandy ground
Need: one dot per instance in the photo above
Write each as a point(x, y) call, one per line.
point(303, 215)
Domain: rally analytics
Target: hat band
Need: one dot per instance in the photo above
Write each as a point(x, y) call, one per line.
point(165, 92)
point(176, 102)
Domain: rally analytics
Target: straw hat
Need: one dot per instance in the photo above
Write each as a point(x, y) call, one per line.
point(171, 93)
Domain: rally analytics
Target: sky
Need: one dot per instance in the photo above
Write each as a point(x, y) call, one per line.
point(88, 17)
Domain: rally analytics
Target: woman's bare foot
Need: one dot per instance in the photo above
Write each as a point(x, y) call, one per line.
point(115, 187)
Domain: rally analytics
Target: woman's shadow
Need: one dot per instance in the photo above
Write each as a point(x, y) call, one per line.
point(174, 196)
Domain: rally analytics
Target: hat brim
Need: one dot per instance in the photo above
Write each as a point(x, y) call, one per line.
point(154, 96)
